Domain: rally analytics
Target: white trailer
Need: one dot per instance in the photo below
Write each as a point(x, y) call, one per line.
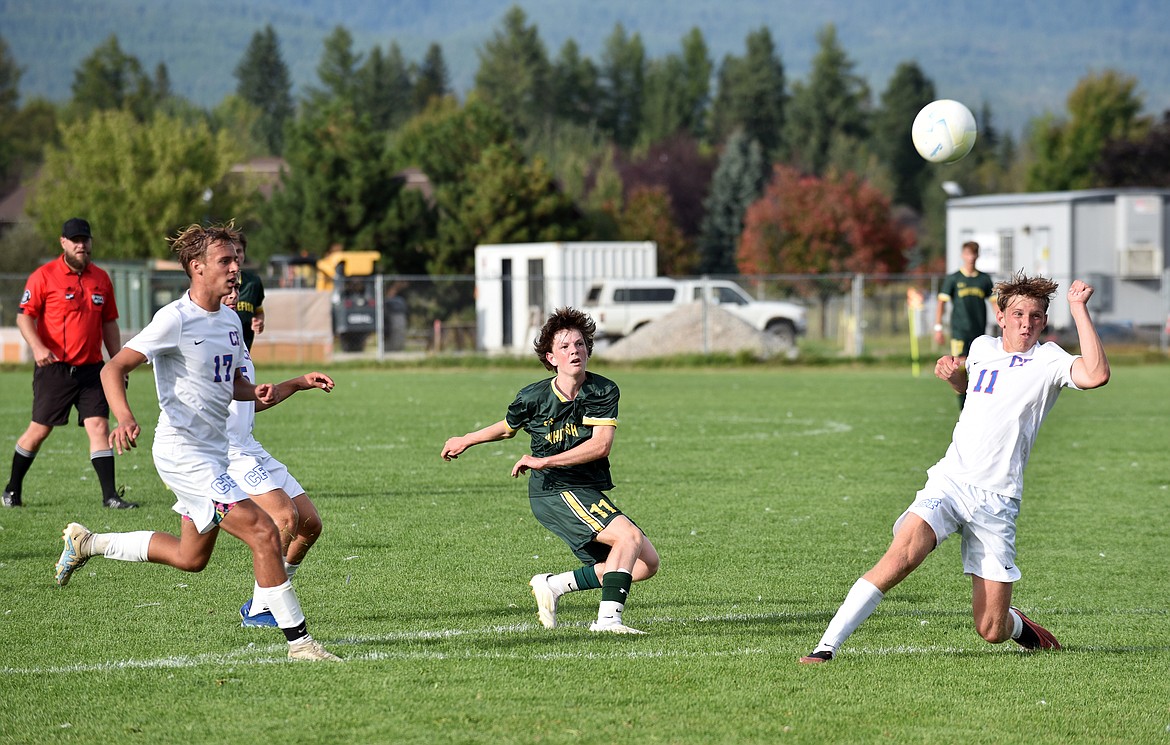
point(518, 284)
point(1114, 239)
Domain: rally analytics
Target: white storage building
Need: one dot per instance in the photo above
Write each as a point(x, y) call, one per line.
point(1114, 239)
point(518, 284)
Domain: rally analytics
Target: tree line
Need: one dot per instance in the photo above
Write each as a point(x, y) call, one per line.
point(731, 167)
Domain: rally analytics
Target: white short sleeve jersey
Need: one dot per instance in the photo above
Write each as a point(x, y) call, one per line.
point(242, 418)
point(195, 354)
point(1008, 396)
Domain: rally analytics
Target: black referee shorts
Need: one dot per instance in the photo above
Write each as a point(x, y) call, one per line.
point(59, 387)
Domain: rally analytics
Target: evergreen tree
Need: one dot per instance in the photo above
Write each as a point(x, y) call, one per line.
point(514, 72)
point(431, 80)
point(832, 105)
point(623, 70)
point(738, 182)
point(384, 89)
point(337, 71)
point(574, 88)
point(751, 94)
point(340, 188)
point(697, 69)
point(10, 74)
point(262, 79)
point(664, 106)
point(908, 91)
point(111, 79)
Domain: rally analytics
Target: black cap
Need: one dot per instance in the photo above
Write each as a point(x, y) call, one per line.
point(74, 227)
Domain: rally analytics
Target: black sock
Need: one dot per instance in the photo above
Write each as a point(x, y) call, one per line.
point(300, 631)
point(103, 463)
point(21, 462)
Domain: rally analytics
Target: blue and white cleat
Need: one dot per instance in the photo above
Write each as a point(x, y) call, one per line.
point(262, 620)
point(76, 552)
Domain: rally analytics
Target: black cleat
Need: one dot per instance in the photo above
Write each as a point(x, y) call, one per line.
point(814, 658)
point(1035, 636)
point(12, 499)
point(117, 503)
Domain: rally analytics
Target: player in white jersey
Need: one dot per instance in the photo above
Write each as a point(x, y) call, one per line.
point(1011, 383)
point(268, 481)
point(197, 349)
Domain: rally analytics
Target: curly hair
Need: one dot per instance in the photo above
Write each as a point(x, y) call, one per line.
point(563, 319)
point(1040, 289)
point(192, 242)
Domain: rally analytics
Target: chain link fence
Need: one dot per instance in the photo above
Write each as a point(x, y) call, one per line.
point(397, 316)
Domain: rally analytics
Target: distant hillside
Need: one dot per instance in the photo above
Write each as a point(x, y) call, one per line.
point(1021, 58)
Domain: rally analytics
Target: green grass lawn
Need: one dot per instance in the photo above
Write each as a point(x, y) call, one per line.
point(767, 491)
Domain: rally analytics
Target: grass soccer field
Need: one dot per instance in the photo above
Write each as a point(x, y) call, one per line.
point(767, 491)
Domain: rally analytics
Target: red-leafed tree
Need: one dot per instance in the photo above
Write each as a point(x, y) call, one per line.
point(836, 224)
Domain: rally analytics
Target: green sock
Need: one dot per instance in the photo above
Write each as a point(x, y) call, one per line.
point(615, 587)
point(586, 578)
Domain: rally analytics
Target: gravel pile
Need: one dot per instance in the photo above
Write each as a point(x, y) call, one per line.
point(681, 332)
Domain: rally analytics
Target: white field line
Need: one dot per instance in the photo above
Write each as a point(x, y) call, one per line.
point(268, 654)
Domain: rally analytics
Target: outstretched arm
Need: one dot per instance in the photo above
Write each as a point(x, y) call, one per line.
point(305, 382)
point(1091, 369)
point(455, 446)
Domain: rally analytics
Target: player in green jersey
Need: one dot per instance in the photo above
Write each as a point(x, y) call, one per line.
point(571, 419)
point(968, 290)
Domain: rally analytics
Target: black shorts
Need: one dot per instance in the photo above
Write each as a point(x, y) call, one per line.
point(57, 388)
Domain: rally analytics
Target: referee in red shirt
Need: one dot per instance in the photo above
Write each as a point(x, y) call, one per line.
point(67, 313)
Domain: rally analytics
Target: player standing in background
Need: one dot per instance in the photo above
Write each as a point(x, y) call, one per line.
point(1013, 381)
point(249, 304)
point(967, 290)
point(268, 482)
point(571, 419)
point(67, 313)
point(197, 350)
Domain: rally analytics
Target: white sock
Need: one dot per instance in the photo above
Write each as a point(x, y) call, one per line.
point(610, 611)
point(122, 546)
point(861, 601)
point(282, 602)
point(562, 583)
point(291, 569)
point(1017, 623)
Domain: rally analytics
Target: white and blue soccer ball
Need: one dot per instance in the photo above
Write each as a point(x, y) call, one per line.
point(944, 131)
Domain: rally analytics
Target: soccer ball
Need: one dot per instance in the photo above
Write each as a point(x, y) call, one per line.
point(944, 131)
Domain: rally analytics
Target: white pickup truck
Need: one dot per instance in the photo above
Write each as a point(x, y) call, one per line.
point(619, 306)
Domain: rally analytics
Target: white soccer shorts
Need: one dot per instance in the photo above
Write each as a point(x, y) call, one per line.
point(199, 479)
point(262, 474)
point(985, 520)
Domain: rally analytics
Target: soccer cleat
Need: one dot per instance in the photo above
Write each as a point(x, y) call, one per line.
point(310, 650)
point(75, 553)
point(613, 628)
point(263, 619)
point(12, 499)
point(117, 503)
point(814, 658)
point(1035, 636)
point(546, 600)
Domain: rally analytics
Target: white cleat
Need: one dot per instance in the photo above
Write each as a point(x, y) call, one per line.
point(310, 650)
point(546, 600)
point(75, 553)
point(613, 628)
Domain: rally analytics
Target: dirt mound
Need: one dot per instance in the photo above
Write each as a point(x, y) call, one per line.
point(683, 331)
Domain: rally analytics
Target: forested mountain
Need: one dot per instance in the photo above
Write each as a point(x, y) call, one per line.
point(1020, 58)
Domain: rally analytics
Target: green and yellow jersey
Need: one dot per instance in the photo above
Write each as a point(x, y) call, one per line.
point(968, 297)
point(557, 424)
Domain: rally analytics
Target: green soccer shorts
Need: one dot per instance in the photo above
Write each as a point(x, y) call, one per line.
point(577, 516)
